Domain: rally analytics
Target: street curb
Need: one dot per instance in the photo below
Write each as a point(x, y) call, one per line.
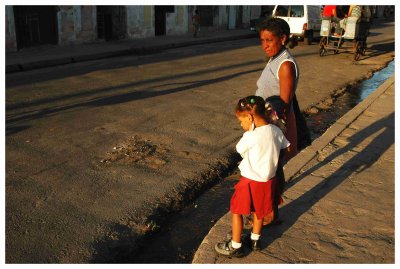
point(205, 254)
point(12, 68)
point(299, 161)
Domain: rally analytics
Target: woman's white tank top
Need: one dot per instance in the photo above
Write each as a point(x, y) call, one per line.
point(268, 83)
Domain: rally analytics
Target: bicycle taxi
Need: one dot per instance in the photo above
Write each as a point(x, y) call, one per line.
point(354, 38)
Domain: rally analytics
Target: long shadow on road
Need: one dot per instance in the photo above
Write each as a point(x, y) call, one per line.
point(88, 93)
point(77, 69)
point(119, 98)
point(364, 159)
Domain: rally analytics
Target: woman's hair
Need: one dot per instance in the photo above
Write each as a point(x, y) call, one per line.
point(254, 105)
point(278, 27)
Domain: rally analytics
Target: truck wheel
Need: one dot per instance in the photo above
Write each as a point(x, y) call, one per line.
point(309, 37)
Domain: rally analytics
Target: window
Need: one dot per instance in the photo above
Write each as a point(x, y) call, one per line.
point(297, 11)
point(282, 11)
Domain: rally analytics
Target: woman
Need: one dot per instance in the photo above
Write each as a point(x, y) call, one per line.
point(281, 74)
point(279, 78)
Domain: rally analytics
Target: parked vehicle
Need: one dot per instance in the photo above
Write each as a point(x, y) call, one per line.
point(264, 15)
point(353, 40)
point(304, 20)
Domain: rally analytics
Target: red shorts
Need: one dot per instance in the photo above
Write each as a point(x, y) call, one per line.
point(253, 196)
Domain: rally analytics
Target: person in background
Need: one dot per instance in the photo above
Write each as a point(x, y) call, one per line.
point(330, 12)
point(362, 13)
point(196, 23)
point(355, 11)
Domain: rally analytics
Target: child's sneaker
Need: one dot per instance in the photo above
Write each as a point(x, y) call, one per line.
point(226, 249)
point(252, 244)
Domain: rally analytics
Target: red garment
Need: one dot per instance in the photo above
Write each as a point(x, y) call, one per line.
point(291, 135)
point(328, 11)
point(253, 196)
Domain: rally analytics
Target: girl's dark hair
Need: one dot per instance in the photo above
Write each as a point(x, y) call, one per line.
point(278, 27)
point(252, 104)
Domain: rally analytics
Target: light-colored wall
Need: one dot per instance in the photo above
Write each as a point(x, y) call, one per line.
point(222, 17)
point(140, 21)
point(177, 22)
point(246, 16)
point(76, 24)
point(255, 12)
point(11, 38)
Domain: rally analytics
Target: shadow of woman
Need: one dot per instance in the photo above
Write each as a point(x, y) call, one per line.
point(361, 161)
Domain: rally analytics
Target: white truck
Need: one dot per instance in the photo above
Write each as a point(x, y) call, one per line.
point(304, 20)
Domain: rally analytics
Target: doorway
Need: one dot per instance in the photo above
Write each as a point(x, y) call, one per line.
point(206, 15)
point(35, 25)
point(160, 19)
point(111, 22)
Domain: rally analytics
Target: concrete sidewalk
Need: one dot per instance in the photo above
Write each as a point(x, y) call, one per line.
point(339, 203)
point(52, 55)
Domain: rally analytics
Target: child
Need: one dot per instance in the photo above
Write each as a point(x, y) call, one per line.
point(259, 147)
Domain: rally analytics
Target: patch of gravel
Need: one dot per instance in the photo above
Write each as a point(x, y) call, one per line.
point(136, 150)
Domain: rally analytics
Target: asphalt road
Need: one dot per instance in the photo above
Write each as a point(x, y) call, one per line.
point(98, 153)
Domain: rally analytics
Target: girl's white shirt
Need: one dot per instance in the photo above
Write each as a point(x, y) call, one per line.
point(260, 150)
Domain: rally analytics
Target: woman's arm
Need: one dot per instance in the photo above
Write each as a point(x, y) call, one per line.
point(350, 10)
point(284, 152)
point(287, 78)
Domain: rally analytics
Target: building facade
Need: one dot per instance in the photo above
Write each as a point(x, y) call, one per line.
point(29, 26)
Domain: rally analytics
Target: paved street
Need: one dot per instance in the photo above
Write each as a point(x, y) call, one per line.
point(98, 152)
point(339, 208)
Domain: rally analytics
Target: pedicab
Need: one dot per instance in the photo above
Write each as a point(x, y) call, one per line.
point(354, 38)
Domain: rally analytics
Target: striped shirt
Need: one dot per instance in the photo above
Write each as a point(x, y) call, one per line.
point(356, 11)
point(268, 83)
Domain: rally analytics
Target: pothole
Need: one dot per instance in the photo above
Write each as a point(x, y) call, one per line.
point(138, 151)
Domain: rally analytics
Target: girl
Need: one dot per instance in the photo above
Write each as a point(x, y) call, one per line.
point(260, 148)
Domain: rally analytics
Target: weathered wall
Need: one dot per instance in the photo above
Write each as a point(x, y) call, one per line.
point(140, 21)
point(177, 22)
point(11, 38)
point(88, 25)
point(222, 17)
point(76, 24)
point(246, 16)
point(255, 12)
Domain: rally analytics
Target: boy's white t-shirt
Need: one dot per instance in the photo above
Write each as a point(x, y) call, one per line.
point(260, 150)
